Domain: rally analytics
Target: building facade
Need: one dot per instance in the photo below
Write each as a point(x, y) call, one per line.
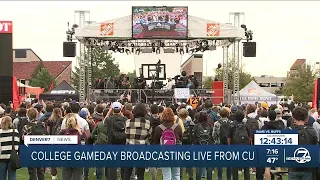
point(25, 62)
point(270, 83)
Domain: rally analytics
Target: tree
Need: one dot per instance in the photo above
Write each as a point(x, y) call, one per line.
point(43, 79)
point(103, 66)
point(244, 77)
point(207, 82)
point(37, 70)
point(300, 85)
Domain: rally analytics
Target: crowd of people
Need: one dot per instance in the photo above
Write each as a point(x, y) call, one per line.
point(103, 123)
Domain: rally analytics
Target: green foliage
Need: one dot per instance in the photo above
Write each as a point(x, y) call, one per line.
point(42, 79)
point(244, 77)
point(37, 70)
point(103, 66)
point(207, 82)
point(301, 85)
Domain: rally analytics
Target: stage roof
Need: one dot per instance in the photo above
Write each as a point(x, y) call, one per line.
point(198, 28)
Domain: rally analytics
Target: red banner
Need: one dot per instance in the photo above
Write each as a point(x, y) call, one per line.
point(15, 93)
point(6, 27)
point(315, 95)
point(217, 92)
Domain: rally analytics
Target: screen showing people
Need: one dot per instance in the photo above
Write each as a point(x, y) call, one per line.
point(159, 22)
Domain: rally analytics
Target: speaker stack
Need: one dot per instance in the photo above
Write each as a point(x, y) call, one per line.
point(69, 49)
point(6, 57)
point(249, 49)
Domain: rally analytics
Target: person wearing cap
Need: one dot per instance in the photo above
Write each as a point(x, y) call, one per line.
point(264, 105)
point(279, 117)
point(169, 84)
point(233, 109)
point(115, 124)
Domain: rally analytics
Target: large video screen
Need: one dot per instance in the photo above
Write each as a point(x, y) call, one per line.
point(159, 22)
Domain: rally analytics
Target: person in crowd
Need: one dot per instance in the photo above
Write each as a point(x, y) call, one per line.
point(239, 134)
point(39, 108)
point(116, 134)
point(279, 117)
point(213, 116)
point(188, 125)
point(220, 130)
point(47, 115)
point(263, 116)
point(307, 136)
point(128, 107)
point(169, 84)
point(9, 138)
point(72, 128)
point(82, 123)
point(155, 122)
point(310, 120)
point(190, 84)
point(2, 112)
point(167, 123)
point(233, 109)
point(35, 127)
point(98, 114)
point(252, 119)
point(138, 132)
point(264, 106)
point(203, 135)
point(53, 128)
point(20, 122)
point(161, 108)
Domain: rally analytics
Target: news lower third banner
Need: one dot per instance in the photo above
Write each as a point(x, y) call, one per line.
point(168, 156)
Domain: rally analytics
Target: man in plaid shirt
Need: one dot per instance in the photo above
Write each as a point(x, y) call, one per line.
point(138, 132)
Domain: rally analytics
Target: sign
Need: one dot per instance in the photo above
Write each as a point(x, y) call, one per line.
point(107, 29)
point(63, 92)
point(213, 29)
point(276, 137)
point(181, 93)
point(299, 156)
point(57, 139)
point(6, 27)
point(254, 91)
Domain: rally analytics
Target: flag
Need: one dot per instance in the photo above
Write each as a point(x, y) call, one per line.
point(15, 93)
point(315, 95)
point(51, 86)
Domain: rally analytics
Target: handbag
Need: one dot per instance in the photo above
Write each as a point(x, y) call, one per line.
point(14, 157)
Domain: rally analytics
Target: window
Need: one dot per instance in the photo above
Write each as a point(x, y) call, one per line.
point(23, 81)
point(20, 53)
point(264, 84)
point(274, 85)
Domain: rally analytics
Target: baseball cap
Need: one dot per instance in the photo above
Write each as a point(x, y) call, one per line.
point(83, 114)
point(265, 105)
point(278, 111)
point(116, 105)
point(189, 107)
point(285, 109)
point(234, 108)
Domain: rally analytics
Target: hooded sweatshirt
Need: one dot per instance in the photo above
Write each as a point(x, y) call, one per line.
point(97, 117)
point(272, 125)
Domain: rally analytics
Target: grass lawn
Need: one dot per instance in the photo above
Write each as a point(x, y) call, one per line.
point(22, 174)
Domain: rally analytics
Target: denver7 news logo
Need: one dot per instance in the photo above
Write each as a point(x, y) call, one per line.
point(5, 26)
point(301, 156)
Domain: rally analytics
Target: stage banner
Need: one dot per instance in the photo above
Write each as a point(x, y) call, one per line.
point(168, 156)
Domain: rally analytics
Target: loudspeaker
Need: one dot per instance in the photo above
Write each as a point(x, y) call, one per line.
point(6, 55)
point(69, 49)
point(249, 49)
point(6, 89)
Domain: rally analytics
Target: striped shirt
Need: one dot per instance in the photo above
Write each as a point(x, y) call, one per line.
point(6, 142)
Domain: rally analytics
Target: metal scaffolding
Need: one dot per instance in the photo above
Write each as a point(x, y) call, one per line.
point(88, 63)
point(225, 72)
point(82, 58)
point(236, 60)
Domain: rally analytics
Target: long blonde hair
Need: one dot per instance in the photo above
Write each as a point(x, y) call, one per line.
point(6, 123)
point(71, 122)
point(56, 114)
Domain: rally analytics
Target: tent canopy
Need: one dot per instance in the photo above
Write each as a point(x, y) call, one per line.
point(197, 28)
point(254, 93)
point(61, 92)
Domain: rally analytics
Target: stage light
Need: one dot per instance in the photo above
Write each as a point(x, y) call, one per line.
point(187, 48)
point(128, 51)
point(219, 65)
point(153, 47)
point(181, 51)
point(177, 47)
point(158, 50)
point(138, 51)
point(132, 48)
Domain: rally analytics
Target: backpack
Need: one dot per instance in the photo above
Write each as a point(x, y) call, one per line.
point(38, 128)
point(204, 135)
point(22, 122)
point(55, 130)
point(102, 137)
point(168, 137)
point(253, 124)
point(186, 137)
point(118, 134)
point(303, 135)
point(240, 135)
point(212, 117)
point(224, 126)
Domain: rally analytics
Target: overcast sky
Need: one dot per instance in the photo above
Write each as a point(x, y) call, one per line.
point(284, 31)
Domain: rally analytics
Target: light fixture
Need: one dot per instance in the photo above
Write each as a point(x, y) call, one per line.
point(132, 48)
point(153, 47)
point(181, 51)
point(187, 48)
point(138, 51)
point(158, 50)
point(128, 51)
point(177, 47)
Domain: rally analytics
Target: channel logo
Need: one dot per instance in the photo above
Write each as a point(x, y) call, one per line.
point(301, 156)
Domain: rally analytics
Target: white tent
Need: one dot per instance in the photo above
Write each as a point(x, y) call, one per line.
point(197, 28)
point(252, 93)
